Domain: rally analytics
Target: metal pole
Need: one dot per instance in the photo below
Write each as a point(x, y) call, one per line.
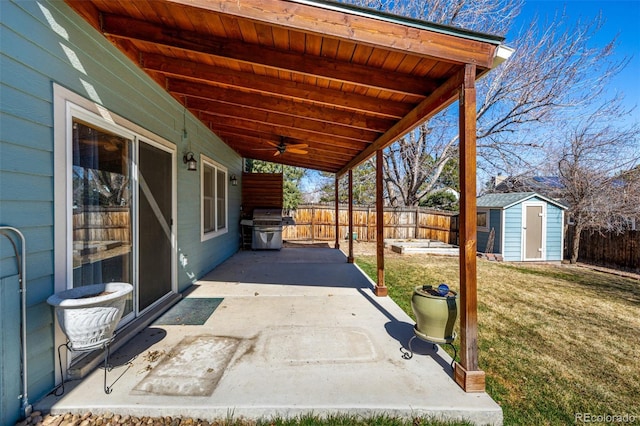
point(26, 407)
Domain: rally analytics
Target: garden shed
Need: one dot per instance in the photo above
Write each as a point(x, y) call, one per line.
point(521, 226)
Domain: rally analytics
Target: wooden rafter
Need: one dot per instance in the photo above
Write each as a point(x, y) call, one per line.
point(328, 75)
point(313, 66)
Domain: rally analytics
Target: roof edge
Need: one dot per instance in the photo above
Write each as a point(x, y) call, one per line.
point(403, 20)
point(524, 197)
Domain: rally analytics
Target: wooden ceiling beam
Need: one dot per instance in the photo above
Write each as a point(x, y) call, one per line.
point(267, 133)
point(320, 67)
point(235, 112)
point(355, 27)
point(216, 99)
point(249, 146)
point(297, 160)
point(280, 130)
point(247, 112)
point(207, 74)
point(254, 143)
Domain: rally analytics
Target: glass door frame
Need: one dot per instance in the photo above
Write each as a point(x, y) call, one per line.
point(137, 135)
point(169, 149)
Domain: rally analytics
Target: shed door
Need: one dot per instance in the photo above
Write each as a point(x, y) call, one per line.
point(533, 242)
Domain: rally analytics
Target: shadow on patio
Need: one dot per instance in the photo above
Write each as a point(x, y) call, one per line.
point(292, 331)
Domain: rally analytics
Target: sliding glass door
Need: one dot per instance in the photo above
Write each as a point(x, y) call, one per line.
point(102, 207)
point(122, 221)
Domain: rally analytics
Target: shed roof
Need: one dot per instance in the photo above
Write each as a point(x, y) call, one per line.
point(342, 80)
point(509, 199)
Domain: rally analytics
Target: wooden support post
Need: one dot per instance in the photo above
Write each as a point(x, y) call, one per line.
point(466, 373)
point(381, 288)
point(350, 258)
point(337, 199)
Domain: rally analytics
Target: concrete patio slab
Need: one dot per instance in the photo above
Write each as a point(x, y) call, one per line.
point(299, 331)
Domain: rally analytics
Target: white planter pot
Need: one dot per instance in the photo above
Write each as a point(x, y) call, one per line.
point(88, 315)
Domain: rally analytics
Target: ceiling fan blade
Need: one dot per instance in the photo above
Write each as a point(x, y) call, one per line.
point(297, 151)
point(275, 154)
point(298, 145)
point(273, 144)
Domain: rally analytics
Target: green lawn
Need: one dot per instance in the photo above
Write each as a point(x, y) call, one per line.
point(554, 341)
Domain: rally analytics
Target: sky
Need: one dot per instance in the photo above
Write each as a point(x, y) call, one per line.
point(622, 18)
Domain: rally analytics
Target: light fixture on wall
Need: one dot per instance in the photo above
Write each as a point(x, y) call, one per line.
point(191, 162)
point(188, 158)
point(234, 180)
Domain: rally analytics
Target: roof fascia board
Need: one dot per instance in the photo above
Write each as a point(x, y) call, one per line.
point(403, 20)
point(341, 22)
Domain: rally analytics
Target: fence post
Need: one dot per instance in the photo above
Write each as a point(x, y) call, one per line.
point(313, 221)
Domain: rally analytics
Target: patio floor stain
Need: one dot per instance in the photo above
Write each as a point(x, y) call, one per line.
point(318, 345)
point(192, 368)
point(190, 311)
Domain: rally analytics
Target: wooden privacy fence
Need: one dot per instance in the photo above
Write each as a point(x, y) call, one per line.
point(608, 249)
point(94, 223)
point(317, 222)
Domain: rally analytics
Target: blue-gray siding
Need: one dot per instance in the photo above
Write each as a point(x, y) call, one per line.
point(554, 232)
point(495, 223)
point(10, 346)
point(45, 42)
point(513, 233)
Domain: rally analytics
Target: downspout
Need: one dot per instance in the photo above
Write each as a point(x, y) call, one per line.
point(22, 260)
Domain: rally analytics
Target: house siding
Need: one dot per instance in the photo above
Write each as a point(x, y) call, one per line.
point(554, 233)
point(495, 223)
point(513, 233)
point(45, 42)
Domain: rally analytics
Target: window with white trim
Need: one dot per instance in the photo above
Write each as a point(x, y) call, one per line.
point(482, 221)
point(214, 198)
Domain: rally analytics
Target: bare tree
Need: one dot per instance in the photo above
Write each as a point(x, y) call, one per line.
point(554, 69)
point(597, 161)
point(363, 187)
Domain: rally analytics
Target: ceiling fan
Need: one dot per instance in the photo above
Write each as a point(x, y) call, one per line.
point(282, 147)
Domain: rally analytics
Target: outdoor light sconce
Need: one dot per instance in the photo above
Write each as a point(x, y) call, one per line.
point(234, 180)
point(190, 161)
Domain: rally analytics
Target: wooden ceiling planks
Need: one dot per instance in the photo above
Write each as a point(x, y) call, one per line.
point(341, 79)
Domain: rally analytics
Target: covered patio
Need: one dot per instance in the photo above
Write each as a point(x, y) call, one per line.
point(296, 331)
point(316, 84)
point(164, 100)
